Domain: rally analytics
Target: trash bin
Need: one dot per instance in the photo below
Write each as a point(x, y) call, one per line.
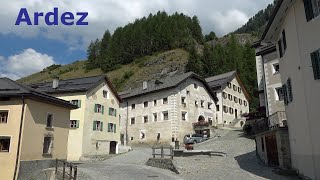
point(176, 144)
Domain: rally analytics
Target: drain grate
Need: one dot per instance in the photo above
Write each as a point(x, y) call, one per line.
point(152, 176)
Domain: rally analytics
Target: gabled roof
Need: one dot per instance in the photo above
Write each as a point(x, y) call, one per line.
point(164, 84)
point(75, 85)
point(220, 81)
point(10, 88)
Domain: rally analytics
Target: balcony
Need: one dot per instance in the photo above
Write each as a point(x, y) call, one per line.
point(278, 119)
point(201, 124)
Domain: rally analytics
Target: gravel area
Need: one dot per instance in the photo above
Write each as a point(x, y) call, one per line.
point(240, 162)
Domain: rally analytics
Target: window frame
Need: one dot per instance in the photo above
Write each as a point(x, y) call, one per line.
point(274, 70)
point(6, 118)
point(145, 104)
point(133, 106)
point(165, 100)
point(105, 94)
point(4, 137)
point(50, 146)
point(155, 117)
point(71, 126)
point(184, 116)
point(144, 120)
point(51, 122)
point(163, 115)
point(134, 120)
point(279, 97)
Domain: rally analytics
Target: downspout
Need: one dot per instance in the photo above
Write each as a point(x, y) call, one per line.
point(127, 123)
point(19, 139)
point(265, 88)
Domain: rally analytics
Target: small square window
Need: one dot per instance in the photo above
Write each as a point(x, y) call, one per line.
point(74, 124)
point(245, 103)
point(218, 107)
point(133, 120)
point(279, 92)
point(196, 103)
point(105, 94)
point(235, 88)
point(97, 126)
point(235, 99)
point(165, 100)
point(231, 110)
point(184, 116)
point(229, 85)
point(276, 68)
point(49, 120)
point(239, 89)
point(230, 97)
point(202, 103)
point(155, 117)
point(112, 112)
point(165, 115)
point(4, 116)
point(4, 144)
point(145, 119)
point(145, 104)
point(225, 95)
point(209, 105)
point(76, 102)
point(240, 101)
point(155, 103)
point(99, 108)
point(225, 109)
point(195, 86)
point(133, 106)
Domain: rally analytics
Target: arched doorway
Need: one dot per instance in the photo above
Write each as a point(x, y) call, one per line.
point(201, 118)
point(113, 147)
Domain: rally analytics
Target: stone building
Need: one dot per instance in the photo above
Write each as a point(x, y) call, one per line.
point(94, 125)
point(294, 27)
point(165, 110)
point(34, 130)
point(233, 99)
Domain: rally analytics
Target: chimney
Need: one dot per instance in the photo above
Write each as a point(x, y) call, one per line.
point(144, 85)
point(55, 82)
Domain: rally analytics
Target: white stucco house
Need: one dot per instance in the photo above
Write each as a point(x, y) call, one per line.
point(165, 110)
point(294, 27)
point(233, 99)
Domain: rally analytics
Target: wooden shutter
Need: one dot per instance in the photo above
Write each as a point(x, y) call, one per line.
point(110, 111)
point(101, 124)
point(95, 108)
point(285, 94)
point(308, 9)
point(115, 112)
point(94, 125)
point(315, 59)
point(77, 124)
point(102, 109)
point(290, 97)
point(114, 128)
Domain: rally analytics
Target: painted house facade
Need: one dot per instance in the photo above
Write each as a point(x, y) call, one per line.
point(165, 110)
point(294, 28)
point(94, 125)
point(233, 99)
point(33, 130)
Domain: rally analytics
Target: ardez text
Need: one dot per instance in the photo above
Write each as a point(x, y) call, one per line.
point(52, 18)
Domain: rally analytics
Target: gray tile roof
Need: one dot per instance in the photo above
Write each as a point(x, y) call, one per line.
point(69, 85)
point(10, 88)
point(219, 80)
point(162, 84)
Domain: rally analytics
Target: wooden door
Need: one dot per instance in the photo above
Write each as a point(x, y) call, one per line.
point(272, 150)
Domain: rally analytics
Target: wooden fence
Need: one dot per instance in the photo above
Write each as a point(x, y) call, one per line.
point(162, 153)
point(69, 170)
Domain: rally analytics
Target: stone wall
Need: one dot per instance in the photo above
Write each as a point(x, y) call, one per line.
point(162, 163)
point(28, 169)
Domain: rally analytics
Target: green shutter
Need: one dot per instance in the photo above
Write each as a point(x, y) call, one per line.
point(95, 108)
point(114, 128)
point(77, 124)
point(290, 96)
point(101, 126)
point(115, 113)
point(79, 103)
point(308, 9)
point(102, 109)
point(109, 111)
point(315, 59)
point(285, 94)
point(109, 127)
point(94, 125)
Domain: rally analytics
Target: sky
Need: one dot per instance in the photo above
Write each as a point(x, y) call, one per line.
point(26, 49)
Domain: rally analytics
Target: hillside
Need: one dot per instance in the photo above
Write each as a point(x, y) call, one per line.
point(126, 76)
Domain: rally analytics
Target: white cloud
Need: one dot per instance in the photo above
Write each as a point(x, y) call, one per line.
point(25, 63)
point(214, 15)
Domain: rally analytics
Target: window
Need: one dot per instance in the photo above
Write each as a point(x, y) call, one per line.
point(312, 9)
point(196, 103)
point(209, 105)
point(49, 120)
point(155, 103)
point(240, 101)
point(47, 145)
point(195, 86)
point(218, 107)
point(155, 117)
point(202, 103)
point(142, 135)
point(105, 94)
point(245, 103)
point(229, 85)
point(133, 120)
point(165, 101)
point(276, 68)
point(231, 110)
point(145, 119)
point(98, 108)
point(183, 101)
point(225, 95)
point(165, 115)
point(230, 97)
point(239, 89)
point(4, 116)
point(97, 126)
point(235, 99)
point(188, 93)
point(184, 116)
point(112, 127)
point(74, 124)
point(225, 109)
point(284, 40)
point(112, 112)
point(315, 60)
point(279, 92)
point(210, 120)
point(4, 144)
point(145, 104)
point(76, 102)
point(235, 88)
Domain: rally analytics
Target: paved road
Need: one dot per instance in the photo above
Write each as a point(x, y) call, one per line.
point(129, 166)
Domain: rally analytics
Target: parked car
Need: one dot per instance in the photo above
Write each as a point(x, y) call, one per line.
point(194, 138)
